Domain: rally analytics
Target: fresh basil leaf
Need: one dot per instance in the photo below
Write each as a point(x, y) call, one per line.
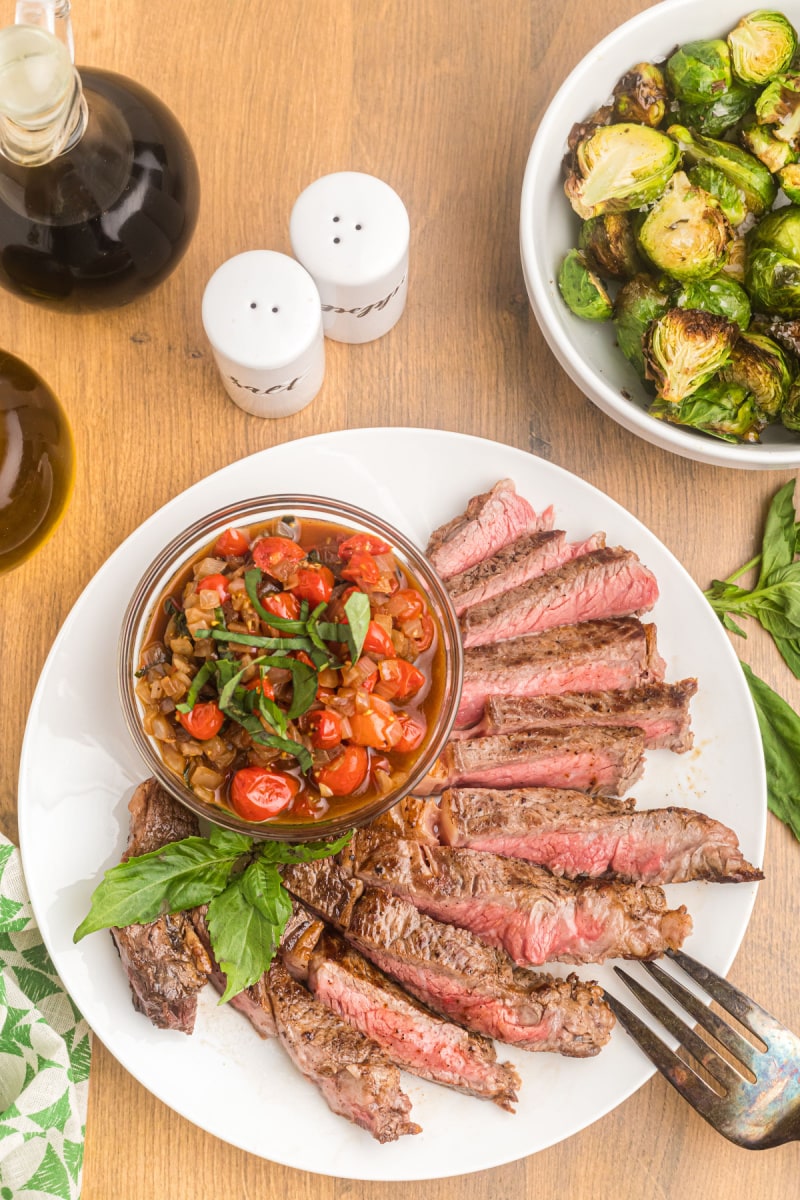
point(789, 648)
point(298, 852)
point(245, 923)
point(263, 643)
point(229, 841)
point(202, 677)
point(779, 540)
point(304, 688)
point(251, 581)
point(333, 631)
point(232, 683)
point(358, 612)
point(780, 735)
point(272, 713)
point(178, 876)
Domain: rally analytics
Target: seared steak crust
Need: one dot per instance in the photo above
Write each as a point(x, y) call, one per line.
point(592, 656)
point(610, 582)
point(592, 758)
point(491, 520)
point(164, 960)
point(532, 915)
point(355, 1078)
point(576, 836)
point(660, 710)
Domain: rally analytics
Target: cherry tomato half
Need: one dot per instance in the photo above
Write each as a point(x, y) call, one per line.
point(405, 604)
point(375, 729)
point(378, 642)
point(346, 773)
point(215, 583)
point(313, 583)
point(203, 722)
point(399, 680)
point(233, 543)
point(325, 729)
point(362, 543)
point(263, 685)
point(413, 732)
point(272, 551)
point(365, 570)
point(282, 604)
point(257, 794)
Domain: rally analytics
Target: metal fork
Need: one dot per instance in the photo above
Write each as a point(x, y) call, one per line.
point(755, 1115)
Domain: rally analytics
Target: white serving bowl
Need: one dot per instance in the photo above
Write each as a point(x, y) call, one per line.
point(549, 228)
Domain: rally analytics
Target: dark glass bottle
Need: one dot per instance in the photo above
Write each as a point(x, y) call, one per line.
point(98, 196)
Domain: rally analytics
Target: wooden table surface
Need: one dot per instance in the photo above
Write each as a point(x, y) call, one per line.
point(441, 99)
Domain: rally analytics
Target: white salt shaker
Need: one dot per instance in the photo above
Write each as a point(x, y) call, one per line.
point(262, 316)
point(350, 231)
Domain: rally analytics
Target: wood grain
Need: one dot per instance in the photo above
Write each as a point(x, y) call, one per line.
point(441, 99)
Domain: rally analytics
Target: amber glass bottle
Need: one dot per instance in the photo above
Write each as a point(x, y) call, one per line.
point(99, 187)
point(36, 461)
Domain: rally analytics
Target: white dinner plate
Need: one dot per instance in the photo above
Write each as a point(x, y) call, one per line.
point(79, 768)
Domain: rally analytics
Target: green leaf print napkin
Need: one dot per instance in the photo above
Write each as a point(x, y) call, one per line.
point(45, 1047)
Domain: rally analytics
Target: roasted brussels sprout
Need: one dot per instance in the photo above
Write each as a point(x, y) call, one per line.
point(641, 96)
point(725, 410)
point(779, 230)
point(789, 179)
point(785, 333)
point(684, 348)
point(609, 246)
point(685, 233)
point(721, 114)
point(699, 71)
point(741, 168)
point(583, 292)
point(778, 107)
point(638, 302)
point(760, 365)
point(736, 266)
point(768, 149)
point(773, 263)
point(762, 45)
point(790, 413)
point(719, 295)
point(619, 168)
point(716, 183)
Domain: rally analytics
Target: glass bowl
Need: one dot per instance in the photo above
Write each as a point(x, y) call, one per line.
point(162, 576)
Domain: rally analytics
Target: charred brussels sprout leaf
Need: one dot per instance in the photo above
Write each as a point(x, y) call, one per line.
point(761, 142)
point(750, 175)
point(641, 96)
point(685, 233)
point(581, 130)
point(789, 179)
point(619, 168)
point(736, 266)
point(583, 292)
point(721, 114)
point(729, 195)
point(719, 295)
point(759, 364)
point(638, 303)
point(684, 348)
point(724, 410)
point(609, 246)
point(762, 45)
point(778, 106)
point(699, 71)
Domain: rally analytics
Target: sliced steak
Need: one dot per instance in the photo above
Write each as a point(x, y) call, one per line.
point(354, 1076)
point(410, 1035)
point(526, 558)
point(523, 909)
point(411, 817)
point(610, 582)
point(491, 521)
point(456, 974)
point(575, 835)
point(592, 758)
point(593, 656)
point(660, 710)
point(254, 1002)
point(165, 961)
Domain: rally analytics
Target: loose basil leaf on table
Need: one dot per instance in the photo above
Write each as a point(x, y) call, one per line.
point(780, 734)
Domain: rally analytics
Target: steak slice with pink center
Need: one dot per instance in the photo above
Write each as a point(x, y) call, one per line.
point(592, 656)
point(491, 521)
point(575, 835)
point(660, 710)
point(526, 558)
point(594, 758)
point(522, 909)
point(610, 582)
point(354, 1076)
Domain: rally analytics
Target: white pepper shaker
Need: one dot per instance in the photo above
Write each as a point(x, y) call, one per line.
point(350, 231)
point(262, 316)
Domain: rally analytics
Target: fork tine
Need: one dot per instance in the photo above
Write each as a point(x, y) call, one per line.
point(701, 1050)
point(676, 1072)
point(733, 1041)
point(746, 1011)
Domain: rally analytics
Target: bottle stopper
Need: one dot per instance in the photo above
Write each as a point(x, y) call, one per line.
point(350, 231)
point(261, 313)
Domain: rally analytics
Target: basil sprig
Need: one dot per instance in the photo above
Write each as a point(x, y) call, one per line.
point(773, 601)
point(236, 877)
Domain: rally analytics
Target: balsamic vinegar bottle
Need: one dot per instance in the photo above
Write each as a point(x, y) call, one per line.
point(99, 187)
